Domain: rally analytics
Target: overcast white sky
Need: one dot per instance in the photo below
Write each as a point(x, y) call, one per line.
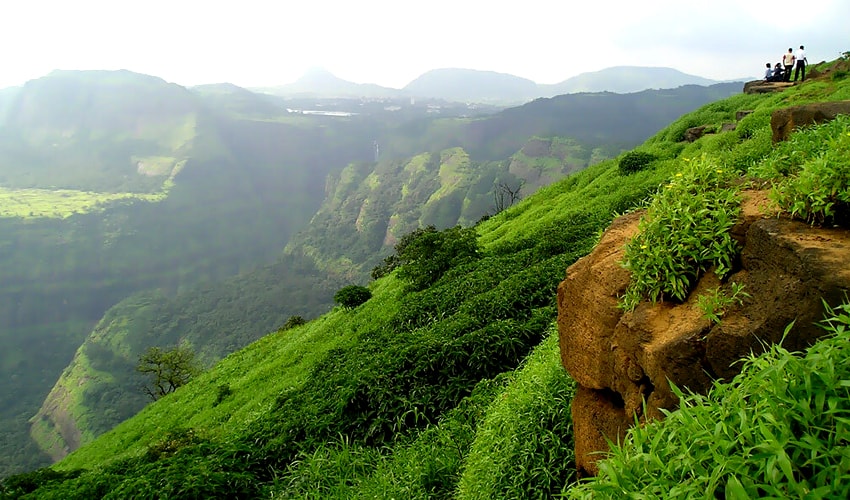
point(391, 42)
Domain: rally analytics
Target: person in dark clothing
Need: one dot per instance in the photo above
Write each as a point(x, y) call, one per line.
point(776, 74)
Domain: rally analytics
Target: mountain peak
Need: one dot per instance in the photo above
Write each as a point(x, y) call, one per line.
point(318, 75)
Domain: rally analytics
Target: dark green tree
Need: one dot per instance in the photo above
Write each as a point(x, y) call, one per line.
point(167, 369)
point(426, 254)
point(292, 322)
point(352, 296)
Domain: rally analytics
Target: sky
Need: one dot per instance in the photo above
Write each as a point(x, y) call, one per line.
point(255, 43)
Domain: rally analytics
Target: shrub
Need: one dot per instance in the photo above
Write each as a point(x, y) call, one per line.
point(819, 193)
point(426, 254)
point(635, 161)
point(388, 265)
point(167, 369)
point(352, 296)
point(21, 484)
point(716, 301)
point(684, 233)
point(224, 390)
point(292, 322)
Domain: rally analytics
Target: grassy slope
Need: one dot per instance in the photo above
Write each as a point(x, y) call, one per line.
point(458, 451)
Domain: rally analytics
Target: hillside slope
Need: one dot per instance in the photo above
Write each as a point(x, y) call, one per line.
point(241, 187)
point(368, 207)
point(421, 393)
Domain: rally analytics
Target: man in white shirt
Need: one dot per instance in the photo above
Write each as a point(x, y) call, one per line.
point(800, 57)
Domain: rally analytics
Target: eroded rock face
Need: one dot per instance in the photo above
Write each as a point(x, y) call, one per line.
point(621, 359)
point(763, 87)
point(784, 121)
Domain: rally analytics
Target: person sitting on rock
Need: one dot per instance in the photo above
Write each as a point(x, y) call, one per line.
point(778, 74)
point(768, 73)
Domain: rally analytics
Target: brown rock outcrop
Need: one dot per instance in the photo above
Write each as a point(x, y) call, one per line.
point(624, 361)
point(695, 133)
point(763, 87)
point(784, 121)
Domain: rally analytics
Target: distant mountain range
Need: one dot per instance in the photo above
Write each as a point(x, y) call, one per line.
point(467, 85)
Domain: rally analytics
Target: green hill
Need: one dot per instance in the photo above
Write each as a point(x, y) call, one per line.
point(78, 130)
point(240, 189)
point(455, 390)
point(367, 208)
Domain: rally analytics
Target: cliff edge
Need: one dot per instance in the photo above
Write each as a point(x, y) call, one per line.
point(624, 362)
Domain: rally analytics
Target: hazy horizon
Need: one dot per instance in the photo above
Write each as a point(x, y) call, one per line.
point(254, 43)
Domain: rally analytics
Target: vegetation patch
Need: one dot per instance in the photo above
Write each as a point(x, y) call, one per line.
point(61, 203)
point(811, 175)
point(635, 161)
point(684, 233)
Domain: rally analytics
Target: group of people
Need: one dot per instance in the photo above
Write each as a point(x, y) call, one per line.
point(791, 61)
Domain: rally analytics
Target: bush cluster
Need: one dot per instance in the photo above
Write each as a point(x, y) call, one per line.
point(352, 296)
point(635, 161)
point(812, 182)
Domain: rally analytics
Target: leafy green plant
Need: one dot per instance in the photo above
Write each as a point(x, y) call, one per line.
point(352, 296)
point(684, 232)
point(715, 303)
point(635, 161)
point(819, 191)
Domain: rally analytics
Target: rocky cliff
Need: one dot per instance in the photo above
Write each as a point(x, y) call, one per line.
point(624, 362)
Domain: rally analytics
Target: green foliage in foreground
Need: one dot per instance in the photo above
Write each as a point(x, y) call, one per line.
point(524, 446)
point(780, 429)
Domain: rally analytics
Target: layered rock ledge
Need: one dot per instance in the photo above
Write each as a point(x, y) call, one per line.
point(624, 361)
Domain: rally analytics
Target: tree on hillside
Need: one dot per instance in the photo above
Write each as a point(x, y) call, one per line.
point(167, 369)
point(426, 254)
point(505, 195)
point(352, 296)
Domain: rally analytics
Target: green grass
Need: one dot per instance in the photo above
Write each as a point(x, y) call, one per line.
point(279, 363)
point(523, 447)
point(62, 203)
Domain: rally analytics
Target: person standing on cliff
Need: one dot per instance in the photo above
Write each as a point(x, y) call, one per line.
point(788, 62)
point(800, 56)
